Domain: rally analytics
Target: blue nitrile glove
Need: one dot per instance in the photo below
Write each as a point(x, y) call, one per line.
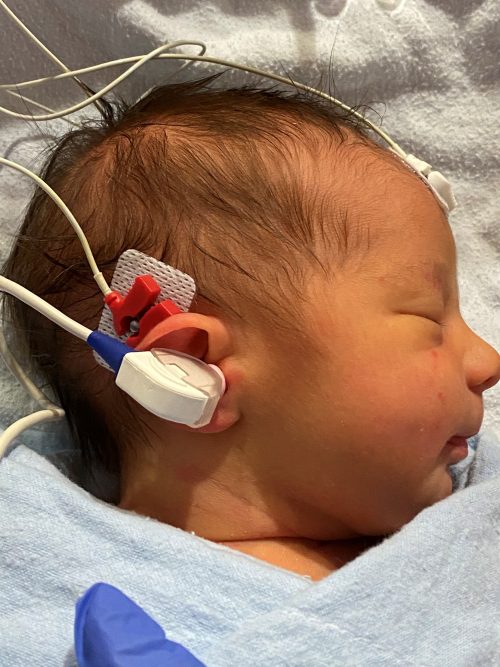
point(113, 631)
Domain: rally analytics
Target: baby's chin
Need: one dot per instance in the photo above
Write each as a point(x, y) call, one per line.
point(436, 488)
point(442, 483)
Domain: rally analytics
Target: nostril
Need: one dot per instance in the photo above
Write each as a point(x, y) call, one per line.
point(492, 381)
point(483, 365)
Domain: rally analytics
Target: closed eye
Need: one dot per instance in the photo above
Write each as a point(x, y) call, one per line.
point(431, 319)
point(437, 321)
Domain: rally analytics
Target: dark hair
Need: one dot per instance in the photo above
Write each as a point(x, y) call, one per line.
point(207, 179)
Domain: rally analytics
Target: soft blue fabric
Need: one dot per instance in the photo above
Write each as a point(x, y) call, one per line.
point(112, 631)
point(56, 541)
point(427, 596)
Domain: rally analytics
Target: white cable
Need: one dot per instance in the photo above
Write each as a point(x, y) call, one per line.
point(106, 89)
point(15, 429)
point(40, 106)
point(35, 39)
point(44, 308)
point(113, 63)
point(141, 60)
point(98, 277)
point(14, 367)
point(42, 46)
point(106, 65)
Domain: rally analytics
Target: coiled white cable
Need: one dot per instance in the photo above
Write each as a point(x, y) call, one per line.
point(45, 49)
point(25, 99)
point(15, 429)
point(44, 308)
point(25, 381)
point(98, 277)
point(140, 61)
point(51, 412)
point(157, 53)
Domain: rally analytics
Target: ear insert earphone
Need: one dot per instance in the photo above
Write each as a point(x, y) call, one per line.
point(169, 384)
point(172, 385)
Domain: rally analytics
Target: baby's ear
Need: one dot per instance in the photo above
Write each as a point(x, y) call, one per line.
point(202, 336)
point(189, 340)
point(208, 339)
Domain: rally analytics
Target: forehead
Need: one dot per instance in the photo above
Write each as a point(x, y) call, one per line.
point(410, 247)
point(402, 211)
point(435, 273)
point(410, 238)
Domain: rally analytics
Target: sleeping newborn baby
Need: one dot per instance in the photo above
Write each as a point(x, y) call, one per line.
point(326, 293)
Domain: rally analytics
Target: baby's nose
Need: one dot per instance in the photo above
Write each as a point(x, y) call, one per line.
point(482, 364)
point(495, 375)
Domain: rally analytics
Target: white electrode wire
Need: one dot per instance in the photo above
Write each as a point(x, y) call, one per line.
point(141, 60)
point(14, 367)
point(106, 65)
point(40, 106)
point(35, 39)
point(44, 308)
point(42, 46)
point(15, 429)
point(98, 277)
point(106, 89)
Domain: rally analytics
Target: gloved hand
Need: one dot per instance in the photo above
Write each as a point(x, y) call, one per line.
point(112, 631)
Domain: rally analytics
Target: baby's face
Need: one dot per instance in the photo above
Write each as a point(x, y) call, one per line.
point(362, 436)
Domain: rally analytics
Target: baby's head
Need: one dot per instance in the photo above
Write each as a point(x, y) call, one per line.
point(326, 293)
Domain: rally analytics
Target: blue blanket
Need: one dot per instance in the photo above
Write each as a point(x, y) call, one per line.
point(428, 595)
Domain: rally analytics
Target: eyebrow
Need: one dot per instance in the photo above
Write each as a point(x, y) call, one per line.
point(435, 273)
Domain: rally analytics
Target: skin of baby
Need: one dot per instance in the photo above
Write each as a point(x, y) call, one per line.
point(310, 459)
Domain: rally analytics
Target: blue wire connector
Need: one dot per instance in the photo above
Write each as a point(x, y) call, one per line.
point(110, 349)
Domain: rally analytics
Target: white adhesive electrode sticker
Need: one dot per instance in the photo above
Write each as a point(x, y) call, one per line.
point(174, 285)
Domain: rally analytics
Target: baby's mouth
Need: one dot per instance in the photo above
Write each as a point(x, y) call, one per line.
point(457, 448)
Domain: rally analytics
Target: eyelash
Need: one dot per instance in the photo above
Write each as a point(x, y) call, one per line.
point(441, 324)
point(426, 317)
point(429, 319)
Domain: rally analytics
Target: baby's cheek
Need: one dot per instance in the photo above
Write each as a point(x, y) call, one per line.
point(432, 393)
point(427, 375)
point(417, 394)
point(401, 401)
point(438, 380)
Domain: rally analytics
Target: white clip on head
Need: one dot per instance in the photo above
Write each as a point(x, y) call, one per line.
point(172, 385)
point(439, 184)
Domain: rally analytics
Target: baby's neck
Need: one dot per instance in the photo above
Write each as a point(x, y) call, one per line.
point(226, 505)
point(311, 558)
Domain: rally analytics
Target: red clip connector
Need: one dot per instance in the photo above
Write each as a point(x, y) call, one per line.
point(138, 306)
point(140, 298)
point(153, 317)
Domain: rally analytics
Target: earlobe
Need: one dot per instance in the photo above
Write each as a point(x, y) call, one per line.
point(226, 415)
